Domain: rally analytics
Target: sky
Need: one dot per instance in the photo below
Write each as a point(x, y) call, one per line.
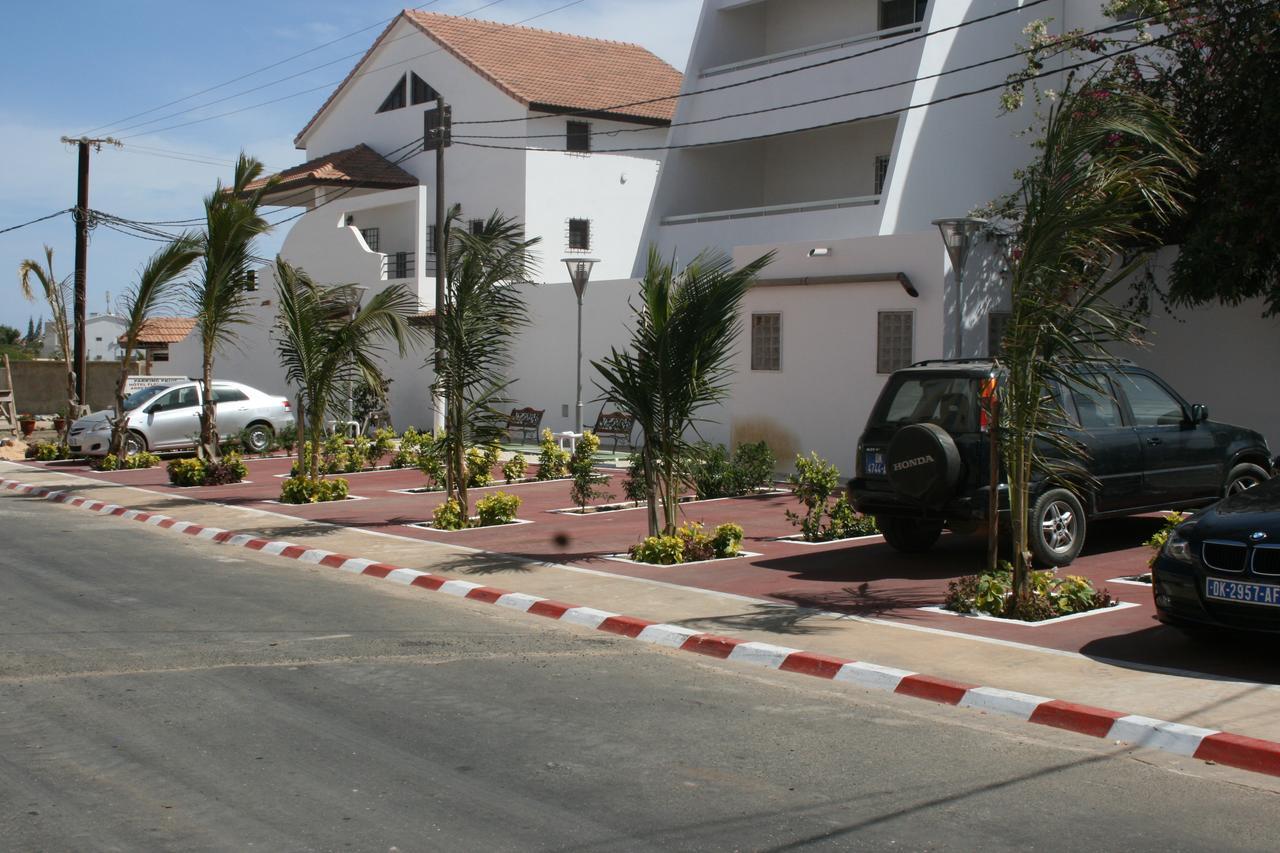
point(77, 68)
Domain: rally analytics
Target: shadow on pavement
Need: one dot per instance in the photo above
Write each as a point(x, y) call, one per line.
point(1211, 654)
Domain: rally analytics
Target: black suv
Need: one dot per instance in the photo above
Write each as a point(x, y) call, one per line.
point(923, 461)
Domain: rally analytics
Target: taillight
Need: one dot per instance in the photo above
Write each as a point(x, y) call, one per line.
point(287, 407)
point(987, 393)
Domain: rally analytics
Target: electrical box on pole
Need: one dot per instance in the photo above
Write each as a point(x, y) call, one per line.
point(438, 130)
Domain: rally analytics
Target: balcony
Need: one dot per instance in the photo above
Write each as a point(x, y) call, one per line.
point(772, 210)
point(398, 265)
point(799, 52)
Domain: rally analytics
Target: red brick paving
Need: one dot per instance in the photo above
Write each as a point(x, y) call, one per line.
point(863, 578)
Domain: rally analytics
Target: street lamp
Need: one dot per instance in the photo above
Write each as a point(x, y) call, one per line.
point(958, 234)
point(579, 275)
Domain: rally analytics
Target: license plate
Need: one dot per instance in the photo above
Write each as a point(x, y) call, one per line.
point(873, 462)
point(1246, 593)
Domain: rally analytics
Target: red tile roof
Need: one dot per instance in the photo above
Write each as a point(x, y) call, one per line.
point(544, 69)
point(164, 330)
point(360, 166)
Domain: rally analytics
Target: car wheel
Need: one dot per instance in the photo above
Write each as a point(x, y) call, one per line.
point(134, 443)
point(909, 535)
point(1057, 528)
point(1243, 477)
point(257, 438)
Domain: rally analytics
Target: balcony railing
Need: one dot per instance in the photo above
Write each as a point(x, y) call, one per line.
point(806, 51)
point(772, 210)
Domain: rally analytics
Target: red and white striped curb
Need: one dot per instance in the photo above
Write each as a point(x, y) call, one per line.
point(1247, 753)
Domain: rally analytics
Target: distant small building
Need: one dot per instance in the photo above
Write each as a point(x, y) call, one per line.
point(101, 332)
point(158, 334)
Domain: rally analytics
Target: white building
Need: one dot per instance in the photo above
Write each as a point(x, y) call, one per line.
point(824, 163)
point(100, 333)
point(544, 101)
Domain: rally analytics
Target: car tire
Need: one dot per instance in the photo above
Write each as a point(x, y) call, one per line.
point(1243, 477)
point(257, 438)
point(909, 535)
point(1056, 528)
point(134, 442)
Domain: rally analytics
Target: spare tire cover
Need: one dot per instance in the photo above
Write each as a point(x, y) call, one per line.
point(923, 463)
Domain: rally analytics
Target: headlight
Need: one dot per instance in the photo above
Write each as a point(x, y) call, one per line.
point(1179, 549)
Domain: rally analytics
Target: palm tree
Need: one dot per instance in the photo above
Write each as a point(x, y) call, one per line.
point(482, 312)
point(686, 326)
point(327, 340)
point(219, 296)
point(55, 293)
point(154, 288)
point(1112, 167)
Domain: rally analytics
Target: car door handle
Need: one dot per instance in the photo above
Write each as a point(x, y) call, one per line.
point(1154, 440)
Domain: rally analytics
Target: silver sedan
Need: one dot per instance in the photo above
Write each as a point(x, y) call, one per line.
point(167, 417)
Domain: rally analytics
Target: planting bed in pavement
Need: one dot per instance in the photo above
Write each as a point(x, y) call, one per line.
point(863, 577)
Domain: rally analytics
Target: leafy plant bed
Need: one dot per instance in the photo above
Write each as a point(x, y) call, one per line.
point(626, 558)
point(475, 525)
point(427, 490)
point(346, 473)
point(799, 539)
point(983, 617)
point(208, 485)
point(316, 503)
point(1049, 596)
point(628, 506)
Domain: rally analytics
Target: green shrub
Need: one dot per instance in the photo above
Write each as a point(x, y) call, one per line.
point(583, 490)
point(1049, 595)
point(727, 540)
point(634, 485)
point(696, 545)
point(814, 482)
point(333, 455)
point(228, 469)
point(383, 441)
point(1161, 536)
point(479, 469)
point(358, 453)
point(753, 466)
point(110, 462)
point(448, 516)
point(186, 472)
point(47, 451)
point(144, 459)
point(846, 522)
point(430, 462)
point(497, 508)
point(710, 471)
point(553, 462)
point(513, 469)
point(659, 550)
point(287, 438)
point(301, 490)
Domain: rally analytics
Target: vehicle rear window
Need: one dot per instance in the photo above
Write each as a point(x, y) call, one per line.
point(228, 395)
point(948, 401)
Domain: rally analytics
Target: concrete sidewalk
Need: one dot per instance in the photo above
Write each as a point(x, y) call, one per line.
point(1241, 707)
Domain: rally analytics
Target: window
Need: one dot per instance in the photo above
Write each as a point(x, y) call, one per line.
point(1150, 403)
point(433, 245)
point(901, 13)
point(395, 98)
point(577, 136)
point(1097, 410)
point(882, 171)
point(99, 340)
point(997, 322)
point(178, 398)
point(579, 235)
point(895, 334)
point(766, 341)
point(371, 238)
point(420, 91)
point(251, 283)
point(228, 395)
point(476, 226)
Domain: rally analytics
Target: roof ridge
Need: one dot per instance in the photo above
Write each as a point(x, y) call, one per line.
point(417, 13)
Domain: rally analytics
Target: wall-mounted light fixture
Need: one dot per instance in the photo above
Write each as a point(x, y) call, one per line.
point(819, 252)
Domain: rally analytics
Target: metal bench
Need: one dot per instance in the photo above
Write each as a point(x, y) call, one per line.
point(526, 421)
point(615, 425)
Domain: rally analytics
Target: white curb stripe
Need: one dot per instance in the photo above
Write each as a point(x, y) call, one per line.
point(588, 616)
point(240, 540)
point(210, 532)
point(356, 565)
point(157, 519)
point(1020, 705)
point(1159, 734)
point(760, 654)
point(404, 576)
point(518, 601)
point(274, 548)
point(130, 514)
point(181, 526)
point(459, 588)
point(872, 675)
point(671, 636)
point(315, 555)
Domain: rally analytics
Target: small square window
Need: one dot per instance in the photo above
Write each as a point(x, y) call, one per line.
point(433, 245)
point(997, 323)
point(371, 238)
point(476, 226)
point(895, 340)
point(882, 172)
point(766, 342)
point(577, 136)
point(580, 235)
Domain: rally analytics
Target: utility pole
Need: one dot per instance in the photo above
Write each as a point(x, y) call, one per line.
point(82, 258)
point(438, 135)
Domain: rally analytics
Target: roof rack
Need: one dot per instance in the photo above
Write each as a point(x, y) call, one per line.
point(930, 361)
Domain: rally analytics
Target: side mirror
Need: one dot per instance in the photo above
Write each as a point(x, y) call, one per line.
point(1199, 413)
point(152, 409)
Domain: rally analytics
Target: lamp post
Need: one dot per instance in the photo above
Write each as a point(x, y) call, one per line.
point(579, 274)
point(958, 234)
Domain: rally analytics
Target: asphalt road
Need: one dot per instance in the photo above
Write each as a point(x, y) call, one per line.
point(160, 692)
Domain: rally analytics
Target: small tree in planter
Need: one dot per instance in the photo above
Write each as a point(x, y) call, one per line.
point(553, 461)
point(583, 490)
point(513, 469)
point(814, 482)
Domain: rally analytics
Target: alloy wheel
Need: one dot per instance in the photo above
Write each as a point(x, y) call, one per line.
point(1058, 526)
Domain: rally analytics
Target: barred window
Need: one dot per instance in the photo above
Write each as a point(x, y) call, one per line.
point(577, 136)
point(579, 235)
point(477, 226)
point(882, 171)
point(895, 340)
point(766, 342)
point(997, 323)
point(370, 236)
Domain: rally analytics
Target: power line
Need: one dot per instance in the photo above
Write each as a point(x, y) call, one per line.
point(34, 221)
point(248, 74)
point(351, 77)
point(775, 74)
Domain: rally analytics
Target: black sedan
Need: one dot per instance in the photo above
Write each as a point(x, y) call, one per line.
point(1221, 568)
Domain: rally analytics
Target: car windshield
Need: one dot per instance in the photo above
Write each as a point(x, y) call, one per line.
point(142, 395)
point(949, 401)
